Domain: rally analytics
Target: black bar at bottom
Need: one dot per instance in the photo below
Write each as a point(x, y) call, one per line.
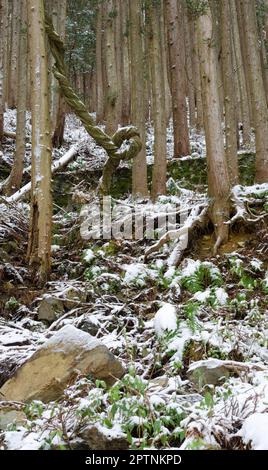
point(119, 459)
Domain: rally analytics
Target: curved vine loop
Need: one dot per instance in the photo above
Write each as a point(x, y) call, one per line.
point(111, 144)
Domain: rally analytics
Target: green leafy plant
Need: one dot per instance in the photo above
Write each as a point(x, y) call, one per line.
point(145, 423)
point(244, 275)
point(34, 410)
point(190, 311)
point(12, 304)
point(205, 275)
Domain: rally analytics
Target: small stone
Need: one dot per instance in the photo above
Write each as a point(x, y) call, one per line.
point(89, 327)
point(9, 415)
point(50, 309)
point(208, 372)
point(72, 295)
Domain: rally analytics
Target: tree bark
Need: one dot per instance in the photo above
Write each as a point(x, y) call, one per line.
point(39, 247)
point(259, 105)
point(199, 123)
point(126, 96)
point(13, 182)
point(158, 100)
point(189, 69)
point(99, 65)
point(59, 111)
point(218, 177)
point(165, 62)
point(241, 29)
point(12, 86)
point(2, 104)
point(139, 170)
point(240, 71)
point(119, 58)
point(177, 77)
point(111, 98)
point(229, 92)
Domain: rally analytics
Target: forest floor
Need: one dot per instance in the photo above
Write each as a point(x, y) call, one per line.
point(193, 339)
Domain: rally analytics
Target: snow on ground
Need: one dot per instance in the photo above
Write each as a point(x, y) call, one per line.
point(158, 321)
point(254, 431)
point(165, 319)
point(159, 341)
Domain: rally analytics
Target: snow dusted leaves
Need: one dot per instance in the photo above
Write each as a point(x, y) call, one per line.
point(137, 274)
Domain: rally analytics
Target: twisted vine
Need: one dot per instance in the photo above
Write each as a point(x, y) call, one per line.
point(111, 144)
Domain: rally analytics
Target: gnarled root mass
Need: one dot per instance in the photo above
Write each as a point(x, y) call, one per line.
point(248, 205)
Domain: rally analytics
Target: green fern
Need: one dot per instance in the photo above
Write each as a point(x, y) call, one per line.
point(207, 275)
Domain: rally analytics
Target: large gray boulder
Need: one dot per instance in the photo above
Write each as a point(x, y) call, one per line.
point(54, 365)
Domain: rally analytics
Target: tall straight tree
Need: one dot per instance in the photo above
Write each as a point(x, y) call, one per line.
point(158, 98)
point(164, 46)
point(99, 63)
point(197, 77)
point(189, 67)
point(229, 91)
point(258, 95)
point(59, 113)
point(139, 170)
point(126, 68)
point(240, 71)
point(14, 180)
point(119, 57)
point(39, 247)
point(218, 176)
point(112, 104)
point(13, 55)
point(174, 14)
point(1, 71)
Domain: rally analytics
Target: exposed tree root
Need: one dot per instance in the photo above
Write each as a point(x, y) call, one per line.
point(198, 216)
point(218, 214)
point(242, 210)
